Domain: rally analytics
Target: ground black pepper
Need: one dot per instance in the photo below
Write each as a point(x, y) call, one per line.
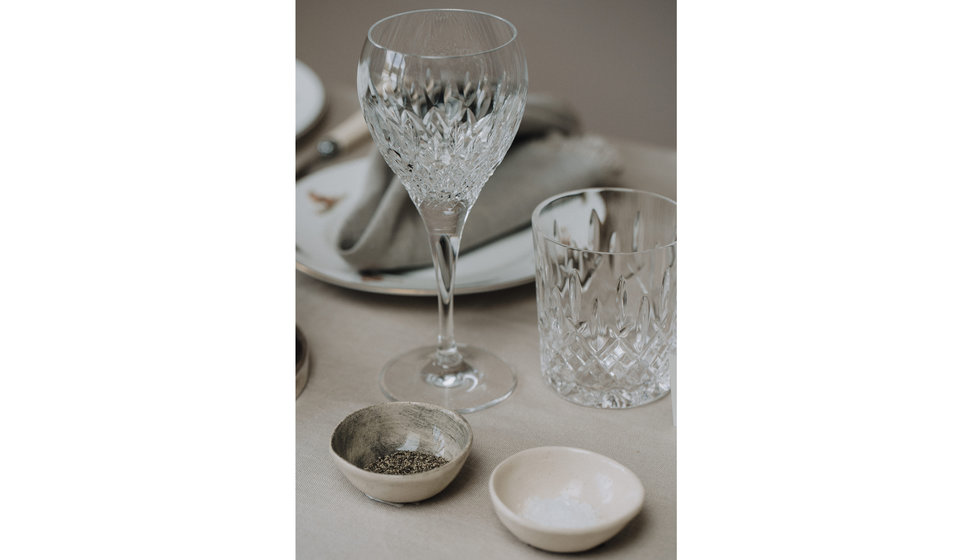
point(406, 462)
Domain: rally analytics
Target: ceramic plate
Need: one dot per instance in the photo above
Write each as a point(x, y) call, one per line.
point(310, 98)
point(324, 198)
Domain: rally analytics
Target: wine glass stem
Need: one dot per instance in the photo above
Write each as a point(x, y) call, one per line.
point(445, 248)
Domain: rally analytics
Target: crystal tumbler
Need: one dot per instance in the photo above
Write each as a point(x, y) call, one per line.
point(606, 294)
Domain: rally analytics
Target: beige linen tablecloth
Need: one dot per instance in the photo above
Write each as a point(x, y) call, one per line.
point(353, 334)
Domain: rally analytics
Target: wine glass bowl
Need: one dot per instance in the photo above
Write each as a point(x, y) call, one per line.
point(443, 93)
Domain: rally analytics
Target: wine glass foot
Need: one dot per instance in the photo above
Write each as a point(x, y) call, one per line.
point(479, 381)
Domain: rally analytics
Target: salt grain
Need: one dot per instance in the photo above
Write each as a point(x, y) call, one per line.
point(561, 512)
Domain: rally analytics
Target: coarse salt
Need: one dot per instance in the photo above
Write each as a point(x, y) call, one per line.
point(562, 512)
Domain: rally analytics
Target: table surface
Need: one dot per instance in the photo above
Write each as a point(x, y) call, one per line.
point(352, 334)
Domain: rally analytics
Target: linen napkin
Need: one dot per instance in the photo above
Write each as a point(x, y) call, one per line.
point(548, 156)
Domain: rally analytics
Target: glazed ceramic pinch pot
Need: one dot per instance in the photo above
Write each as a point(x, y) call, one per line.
point(564, 499)
point(376, 431)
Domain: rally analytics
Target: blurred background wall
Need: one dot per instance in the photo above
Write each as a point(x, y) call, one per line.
point(613, 60)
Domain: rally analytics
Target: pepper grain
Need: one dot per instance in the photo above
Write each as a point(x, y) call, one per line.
point(406, 462)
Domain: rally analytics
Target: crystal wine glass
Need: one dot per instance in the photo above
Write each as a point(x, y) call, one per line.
point(443, 93)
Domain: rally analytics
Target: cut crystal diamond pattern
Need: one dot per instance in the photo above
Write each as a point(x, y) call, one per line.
point(442, 139)
point(606, 323)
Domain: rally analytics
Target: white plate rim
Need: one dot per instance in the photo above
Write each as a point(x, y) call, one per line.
point(308, 81)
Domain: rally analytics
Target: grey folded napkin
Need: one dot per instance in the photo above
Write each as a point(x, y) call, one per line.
point(548, 156)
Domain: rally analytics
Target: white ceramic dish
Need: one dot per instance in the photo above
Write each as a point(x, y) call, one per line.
point(378, 430)
point(324, 198)
point(564, 499)
point(310, 98)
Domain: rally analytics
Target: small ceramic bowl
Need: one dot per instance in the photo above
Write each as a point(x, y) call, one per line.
point(564, 499)
point(382, 429)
